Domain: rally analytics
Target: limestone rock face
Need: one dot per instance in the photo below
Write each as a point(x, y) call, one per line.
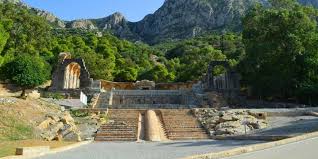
point(178, 19)
point(229, 122)
point(50, 18)
point(114, 21)
point(118, 25)
point(82, 24)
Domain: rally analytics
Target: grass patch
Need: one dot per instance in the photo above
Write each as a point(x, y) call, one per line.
point(54, 95)
point(79, 113)
point(7, 148)
point(14, 129)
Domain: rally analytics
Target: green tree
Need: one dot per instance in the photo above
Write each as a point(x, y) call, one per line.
point(27, 72)
point(281, 52)
point(194, 57)
point(158, 73)
point(4, 36)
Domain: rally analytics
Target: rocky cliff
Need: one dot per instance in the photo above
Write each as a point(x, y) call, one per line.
point(179, 19)
point(187, 18)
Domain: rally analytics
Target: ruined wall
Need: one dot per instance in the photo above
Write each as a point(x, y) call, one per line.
point(175, 86)
point(151, 97)
point(108, 85)
point(70, 74)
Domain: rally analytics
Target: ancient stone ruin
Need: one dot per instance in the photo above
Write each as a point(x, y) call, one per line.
point(227, 83)
point(70, 74)
point(144, 108)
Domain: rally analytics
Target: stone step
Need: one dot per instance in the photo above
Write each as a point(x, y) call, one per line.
point(186, 131)
point(116, 135)
point(116, 129)
point(182, 125)
point(118, 126)
point(123, 126)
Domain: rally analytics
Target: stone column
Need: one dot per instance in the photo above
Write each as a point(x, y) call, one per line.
point(71, 78)
point(78, 81)
point(74, 80)
point(66, 78)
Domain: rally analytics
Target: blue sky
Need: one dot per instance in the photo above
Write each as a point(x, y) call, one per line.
point(134, 10)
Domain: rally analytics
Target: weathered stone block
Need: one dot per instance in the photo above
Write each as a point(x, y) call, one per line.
point(29, 151)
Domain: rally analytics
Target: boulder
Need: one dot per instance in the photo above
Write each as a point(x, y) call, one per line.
point(51, 132)
point(59, 126)
point(231, 128)
point(46, 123)
point(230, 122)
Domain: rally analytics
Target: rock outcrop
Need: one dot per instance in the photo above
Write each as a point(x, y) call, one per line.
point(82, 24)
point(59, 126)
point(50, 18)
point(230, 122)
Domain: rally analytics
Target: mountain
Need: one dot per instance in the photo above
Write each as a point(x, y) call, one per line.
point(179, 19)
point(175, 19)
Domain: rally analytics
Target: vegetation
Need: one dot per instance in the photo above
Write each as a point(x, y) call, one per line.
point(54, 95)
point(14, 129)
point(27, 72)
point(79, 113)
point(281, 50)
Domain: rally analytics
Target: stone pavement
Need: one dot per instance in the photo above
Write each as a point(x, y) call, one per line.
point(306, 149)
point(146, 150)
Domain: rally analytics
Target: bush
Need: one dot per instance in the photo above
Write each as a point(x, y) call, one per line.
point(79, 113)
point(55, 96)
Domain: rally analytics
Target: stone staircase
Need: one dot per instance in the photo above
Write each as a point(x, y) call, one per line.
point(161, 125)
point(182, 125)
point(175, 124)
point(122, 126)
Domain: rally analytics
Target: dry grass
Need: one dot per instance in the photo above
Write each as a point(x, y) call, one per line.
point(7, 148)
point(18, 123)
point(19, 120)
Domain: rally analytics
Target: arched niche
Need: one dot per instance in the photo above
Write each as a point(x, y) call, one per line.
point(72, 76)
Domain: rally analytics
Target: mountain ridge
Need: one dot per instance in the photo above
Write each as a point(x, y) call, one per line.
point(175, 19)
point(180, 19)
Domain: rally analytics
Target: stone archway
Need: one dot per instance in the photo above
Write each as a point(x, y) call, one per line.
point(72, 76)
